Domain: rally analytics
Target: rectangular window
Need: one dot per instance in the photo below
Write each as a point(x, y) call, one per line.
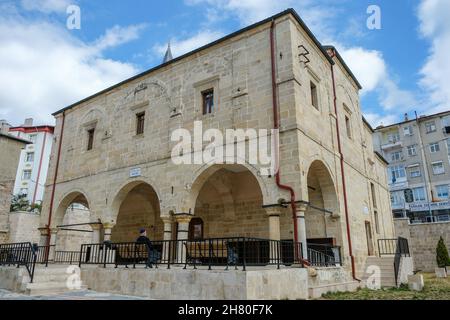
point(434, 147)
point(90, 144)
point(442, 192)
point(397, 198)
point(397, 156)
point(208, 101)
point(419, 194)
point(415, 172)
point(397, 172)
point(394, 137)
point(26, 175)
point(438, 168)
point(412, 151)
point(430, 127)
point(374, 196)
point(33, 138)
point(348, 127)
point(314, 96)
point(140, 123)
point(377, 223)
point(29, 157)
point(408, 131)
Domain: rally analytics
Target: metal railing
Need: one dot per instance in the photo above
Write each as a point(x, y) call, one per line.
point(67, 257)
point(391, 247)
point(226, 252)
point(20, 254)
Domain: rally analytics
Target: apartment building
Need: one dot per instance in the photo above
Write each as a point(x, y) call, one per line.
point(34, 160)
point(418, 152)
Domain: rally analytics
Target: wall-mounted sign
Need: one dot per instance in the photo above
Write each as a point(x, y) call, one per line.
point(444, 205)
point(135, 172)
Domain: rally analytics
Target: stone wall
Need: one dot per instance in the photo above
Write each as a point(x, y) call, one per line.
point(23, 227)
point(423, 240)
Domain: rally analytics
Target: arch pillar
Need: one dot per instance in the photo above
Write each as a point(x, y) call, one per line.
point(52, 249)
point(273, 213)
point(301, 228)
point(107, 227)
point(183, 220)
point(168, 223)
point(96, 232)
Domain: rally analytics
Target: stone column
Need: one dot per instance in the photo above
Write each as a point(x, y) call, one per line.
point(301, 228)
point(183, 221)
point(96, 233)
point(273, 213)
point(43, 237)
point(107, 227)
point(168, 244)
point(53, 237)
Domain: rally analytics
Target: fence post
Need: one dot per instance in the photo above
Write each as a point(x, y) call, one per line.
point(278, 246)
point(168, 253)
point(104, 255)
point(244, 257)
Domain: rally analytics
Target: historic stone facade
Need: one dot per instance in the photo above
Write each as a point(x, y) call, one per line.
point(128, 180)
point(10, 148)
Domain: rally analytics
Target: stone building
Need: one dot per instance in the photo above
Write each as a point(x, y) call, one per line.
point(418, 152)
point(113, 150)
point(10, 149)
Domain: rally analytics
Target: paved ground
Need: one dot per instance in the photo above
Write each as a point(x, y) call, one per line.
point(81, 295)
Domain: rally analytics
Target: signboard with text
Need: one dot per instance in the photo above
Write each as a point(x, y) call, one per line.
point(444, 205)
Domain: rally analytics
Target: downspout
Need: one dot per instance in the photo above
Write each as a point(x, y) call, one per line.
point(40, 167)
point(344, 187)
point(276, 126)
point(54, 180)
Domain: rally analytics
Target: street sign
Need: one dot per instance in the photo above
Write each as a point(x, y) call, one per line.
point(409, 196)
point(135, 172)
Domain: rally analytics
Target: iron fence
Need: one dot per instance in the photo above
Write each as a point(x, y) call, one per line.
point(20, 254)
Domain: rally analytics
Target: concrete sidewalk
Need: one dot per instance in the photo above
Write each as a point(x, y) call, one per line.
point(76, 295)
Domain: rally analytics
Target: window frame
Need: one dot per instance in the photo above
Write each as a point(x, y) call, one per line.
point(27, 176)
point(314, 92)
point(140, 123)
point(90, 139)
point(435, 147)
point(430, 127)
point(433, 166)
point(27, 160)
point(446, 186)
point(411, 147)
point(418, 196)
point(208, 95)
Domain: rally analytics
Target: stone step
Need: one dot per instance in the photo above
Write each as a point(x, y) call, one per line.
point(49, 288)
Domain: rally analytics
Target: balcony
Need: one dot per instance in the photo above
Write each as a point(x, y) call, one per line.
point(392, 145)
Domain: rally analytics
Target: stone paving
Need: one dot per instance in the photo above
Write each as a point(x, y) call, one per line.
point(75, 295)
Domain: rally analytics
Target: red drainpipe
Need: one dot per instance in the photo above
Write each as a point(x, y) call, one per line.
point(276, 125)
point(344, 188)
point(39, 170)
point(54, 179)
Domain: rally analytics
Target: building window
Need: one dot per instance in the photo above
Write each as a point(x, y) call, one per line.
point(374, 196)
point(140, 123)
point(33, 138)
point(377, 223)
point(26, 175)
point(438, 168)
point(434, 147)
point(397, 198)
point(408, 131)
point(29, 157)
point(412, 151)
point(394, 137)
point(419, 194)
point(90, 144)
point(397, 156)
point(415, 172)
point(442, 191)
point(348, 127)
point(397, 172)
point(314, 96)
point(208, 101)
point(430, 127)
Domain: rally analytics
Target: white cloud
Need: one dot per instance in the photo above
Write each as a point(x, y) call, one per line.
point(435, 26)
point(44, 68)
point(376, 120)
point(118, 35)
point(46, 6)
point(180, 47)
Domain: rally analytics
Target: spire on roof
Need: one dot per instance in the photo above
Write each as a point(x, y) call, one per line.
point(168, 56)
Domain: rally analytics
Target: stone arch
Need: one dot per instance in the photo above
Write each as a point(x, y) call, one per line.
point(323, 210)
point(136, 205)
point(74, 196)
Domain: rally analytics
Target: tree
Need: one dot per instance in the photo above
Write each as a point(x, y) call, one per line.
point(19, 203)
point(442, 257)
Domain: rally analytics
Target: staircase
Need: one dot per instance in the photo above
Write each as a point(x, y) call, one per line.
point(387, 271)
point(49, 281)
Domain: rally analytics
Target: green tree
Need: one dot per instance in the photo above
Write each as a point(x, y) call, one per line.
point(442, 257)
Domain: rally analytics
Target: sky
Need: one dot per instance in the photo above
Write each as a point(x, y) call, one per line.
point(45, 66)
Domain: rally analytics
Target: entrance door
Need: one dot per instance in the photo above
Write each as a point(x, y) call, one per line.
point(369, 239)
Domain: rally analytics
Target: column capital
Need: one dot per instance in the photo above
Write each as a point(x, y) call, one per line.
point(95, 225)
point(273, 211)
point(183, 217)
point(54, 230)
point(167, 219)
point(301, 207)
point(43, 231)
point(109, 225)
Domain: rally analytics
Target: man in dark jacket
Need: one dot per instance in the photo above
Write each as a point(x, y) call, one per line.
point(143, 239)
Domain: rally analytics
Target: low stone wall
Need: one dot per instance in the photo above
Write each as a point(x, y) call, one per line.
point(13, 279)
point(423, 240)
point(178, 284)
point(23, 227)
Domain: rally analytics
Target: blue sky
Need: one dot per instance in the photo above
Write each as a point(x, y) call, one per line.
point(402, 66)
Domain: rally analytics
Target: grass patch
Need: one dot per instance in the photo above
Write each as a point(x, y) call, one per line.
point(435, 289)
